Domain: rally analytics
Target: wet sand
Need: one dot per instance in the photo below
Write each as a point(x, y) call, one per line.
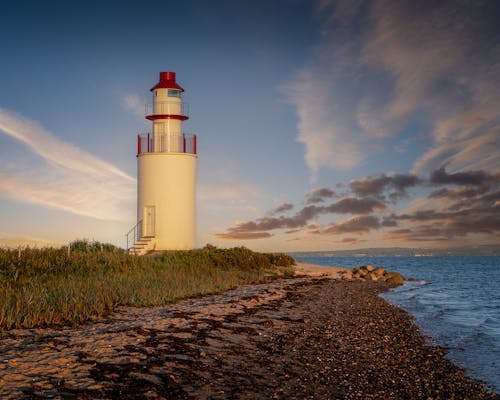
point(303, 338)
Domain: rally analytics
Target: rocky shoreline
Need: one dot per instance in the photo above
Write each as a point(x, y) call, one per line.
point(299, 338)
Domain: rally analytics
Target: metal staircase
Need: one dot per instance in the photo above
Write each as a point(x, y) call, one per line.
point(137, 244)
point(142, 246)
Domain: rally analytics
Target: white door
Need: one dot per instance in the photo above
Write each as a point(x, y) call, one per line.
point(149, 220)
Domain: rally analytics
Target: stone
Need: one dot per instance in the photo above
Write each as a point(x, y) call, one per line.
point(369, 268)
point(347, 275)
point(379, 271)
point(394, 278)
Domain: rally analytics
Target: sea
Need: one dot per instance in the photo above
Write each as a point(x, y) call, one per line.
point(455, 301)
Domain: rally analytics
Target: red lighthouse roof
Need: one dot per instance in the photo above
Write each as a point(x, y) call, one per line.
point(167, 81)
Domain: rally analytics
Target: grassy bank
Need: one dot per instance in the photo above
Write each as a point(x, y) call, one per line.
point(40, 287)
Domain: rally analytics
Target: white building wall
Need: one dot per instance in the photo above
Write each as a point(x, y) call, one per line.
point(167, 185)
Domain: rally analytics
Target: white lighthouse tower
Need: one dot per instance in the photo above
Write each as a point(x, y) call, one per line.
point(166, 175)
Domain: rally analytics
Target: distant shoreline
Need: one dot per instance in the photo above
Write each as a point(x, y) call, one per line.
point(487, 250)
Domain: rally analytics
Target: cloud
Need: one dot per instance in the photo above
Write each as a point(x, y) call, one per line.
point(353, 205)
point(445, 227)
point(302, 218)
point(382, 69)
point(397, 184)
point(54, 150)
point(243, 235)
point(135, 104)
point(71, 179)
point(324, 124)
point(473, 178)
point(463, 147)
point(461, 212)
point(470, 207)
point(349, 241)
point(406, 42)
point(282, 208)
point(357, 225)
point(319, 195)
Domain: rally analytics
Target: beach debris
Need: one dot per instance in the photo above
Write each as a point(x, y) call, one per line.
point(202, 353)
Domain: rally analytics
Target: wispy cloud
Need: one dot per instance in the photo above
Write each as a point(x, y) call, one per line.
point(381, 66)
point(135, 104)
point(324, 121)
point(71, 179)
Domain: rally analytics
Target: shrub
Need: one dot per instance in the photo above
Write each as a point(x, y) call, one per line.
point(40, 287)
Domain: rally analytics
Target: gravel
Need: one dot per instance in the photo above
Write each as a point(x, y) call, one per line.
point(318, 339)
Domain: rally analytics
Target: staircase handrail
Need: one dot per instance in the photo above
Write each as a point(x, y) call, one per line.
point(134, 234)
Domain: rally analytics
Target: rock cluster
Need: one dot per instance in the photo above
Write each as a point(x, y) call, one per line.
point(371, 273)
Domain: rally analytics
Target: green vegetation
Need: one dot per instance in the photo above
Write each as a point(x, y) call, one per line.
point(40, 287)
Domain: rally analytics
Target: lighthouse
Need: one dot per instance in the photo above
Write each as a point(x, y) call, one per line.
point(166, 175)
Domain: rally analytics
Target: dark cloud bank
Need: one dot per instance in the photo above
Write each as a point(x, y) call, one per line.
point(469, 203)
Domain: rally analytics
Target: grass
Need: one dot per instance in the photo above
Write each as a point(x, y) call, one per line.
point(42, 287)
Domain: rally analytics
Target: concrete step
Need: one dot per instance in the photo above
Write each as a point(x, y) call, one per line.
point(139, 248)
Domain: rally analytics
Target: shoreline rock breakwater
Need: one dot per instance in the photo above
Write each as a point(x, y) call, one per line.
point(372, 273)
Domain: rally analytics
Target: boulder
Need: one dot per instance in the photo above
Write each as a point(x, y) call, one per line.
point(379, 271)
point(394, 278)
point(371, 276)
point(347, 275)
point(369, 268)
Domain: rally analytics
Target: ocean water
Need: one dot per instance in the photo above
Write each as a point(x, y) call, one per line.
point(455, 302)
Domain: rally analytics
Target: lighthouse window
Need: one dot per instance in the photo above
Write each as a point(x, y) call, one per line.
point(174, 93)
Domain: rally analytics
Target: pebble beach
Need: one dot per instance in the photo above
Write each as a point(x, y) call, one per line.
point(314, 336)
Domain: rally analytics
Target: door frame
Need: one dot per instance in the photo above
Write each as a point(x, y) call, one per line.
point(149, 218)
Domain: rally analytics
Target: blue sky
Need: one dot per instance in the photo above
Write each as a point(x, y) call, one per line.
point(321, 124)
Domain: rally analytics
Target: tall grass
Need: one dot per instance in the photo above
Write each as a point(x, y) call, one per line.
point(40, 287)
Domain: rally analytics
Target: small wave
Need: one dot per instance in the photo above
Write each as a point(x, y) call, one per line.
point(421, 283)
point(409, 286)
point(439, 313)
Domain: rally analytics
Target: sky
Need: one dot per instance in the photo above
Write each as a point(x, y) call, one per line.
point(321, 124)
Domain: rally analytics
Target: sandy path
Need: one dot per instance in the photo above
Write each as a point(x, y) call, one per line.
point(308, 269)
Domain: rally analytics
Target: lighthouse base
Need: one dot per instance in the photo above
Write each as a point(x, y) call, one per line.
point(166, 205)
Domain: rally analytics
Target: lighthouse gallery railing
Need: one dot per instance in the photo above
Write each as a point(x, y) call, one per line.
point(166, 143)
point(167, 108)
